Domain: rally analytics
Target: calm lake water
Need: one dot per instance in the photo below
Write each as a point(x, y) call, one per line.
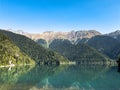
point(82, 77)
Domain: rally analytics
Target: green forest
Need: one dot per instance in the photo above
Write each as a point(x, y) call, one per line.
point(19, 49)
point(11, 54)
point(79, 52)
point(35, 51)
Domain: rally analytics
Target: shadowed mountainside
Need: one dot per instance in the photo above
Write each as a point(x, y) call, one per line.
point(106, 44)
point(79, 52)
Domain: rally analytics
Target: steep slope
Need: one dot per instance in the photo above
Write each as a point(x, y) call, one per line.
point(105, 44)
point(79, 52)
point(10, 53)
point(34, 50)
point(84, 40)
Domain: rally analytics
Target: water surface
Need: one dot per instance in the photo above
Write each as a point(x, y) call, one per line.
point(74, 77)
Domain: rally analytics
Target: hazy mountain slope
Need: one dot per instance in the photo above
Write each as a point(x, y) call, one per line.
point(77, 52)
point(105, 44)
point(34, 50)
point(10, 53)
point(115, 35)
point(42, 42)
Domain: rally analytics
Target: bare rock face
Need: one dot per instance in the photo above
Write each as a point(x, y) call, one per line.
point(72, 36)
point(75, 35)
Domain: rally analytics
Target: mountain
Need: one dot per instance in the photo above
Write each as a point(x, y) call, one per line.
point(10, 53)
point(101, 42)
point(73, 36)
point(78, 53)
point(42, 42)
point(105, 44)
point(115, 35)
point(34, 50)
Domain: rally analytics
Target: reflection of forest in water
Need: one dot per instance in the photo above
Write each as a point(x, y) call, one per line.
point(39, 77)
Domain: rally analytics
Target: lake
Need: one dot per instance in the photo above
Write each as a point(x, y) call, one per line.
point(73, 77)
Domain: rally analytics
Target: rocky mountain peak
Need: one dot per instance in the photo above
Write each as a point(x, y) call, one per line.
point(113, 34)
point(72, 35)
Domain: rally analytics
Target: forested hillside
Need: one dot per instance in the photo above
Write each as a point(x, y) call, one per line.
point(11, 54)
point(106, 44)
point(34, 50)
point(77, 52)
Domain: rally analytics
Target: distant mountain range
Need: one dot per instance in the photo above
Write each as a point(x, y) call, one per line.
point(72, 36)
point(73, 45)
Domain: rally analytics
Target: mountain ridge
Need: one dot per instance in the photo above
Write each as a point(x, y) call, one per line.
point(78, 37)
point(73, 36)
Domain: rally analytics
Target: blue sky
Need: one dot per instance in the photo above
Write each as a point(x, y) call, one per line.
point(36, 16)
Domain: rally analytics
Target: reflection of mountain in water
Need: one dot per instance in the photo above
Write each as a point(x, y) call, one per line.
point(37, 77)
point(81, 75)
point(51, 77)
point(67, 77)
point(47, 86)
point(9, 76)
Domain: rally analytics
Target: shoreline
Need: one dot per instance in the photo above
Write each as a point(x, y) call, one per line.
point(12, 65)
point(113, 63)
